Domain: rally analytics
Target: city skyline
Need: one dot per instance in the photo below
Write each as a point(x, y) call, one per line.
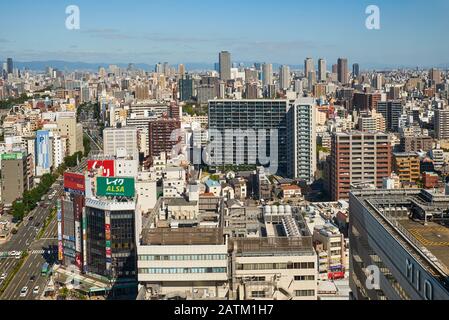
point(408, 37)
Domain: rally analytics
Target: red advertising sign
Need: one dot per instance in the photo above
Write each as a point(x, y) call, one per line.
point(78, 260)
point(108, 252)
point(107, 166)
point(336, 275)
point(74, 182)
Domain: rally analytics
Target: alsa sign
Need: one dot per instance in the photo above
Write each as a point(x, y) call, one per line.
point(107, 167)
point(115, 187)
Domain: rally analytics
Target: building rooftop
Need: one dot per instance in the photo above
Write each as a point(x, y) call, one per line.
point(419, 219)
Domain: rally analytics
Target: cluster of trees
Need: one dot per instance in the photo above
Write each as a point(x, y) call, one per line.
point(21, 207)
point(86, 144)
point(193, 110)
point(9, 103)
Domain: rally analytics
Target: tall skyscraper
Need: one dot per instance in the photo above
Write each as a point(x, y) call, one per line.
point(225, 65)
point(343, 76)
point(181, 70)
point(322, 75)
point(284, 77)
point(10, 65)
point(435, 76)
point(301, 140)
point(308, 66)
point(358, 158)
point(267, 74)
point(355, 70)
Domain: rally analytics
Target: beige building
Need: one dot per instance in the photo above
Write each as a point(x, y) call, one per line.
point(15, 176)
point(73, 131)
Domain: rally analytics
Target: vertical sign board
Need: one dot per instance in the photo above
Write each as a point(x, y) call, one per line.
point(107, 228)
point(79, 204)
point(43, 149)
point(59, 217)
point(84, 227)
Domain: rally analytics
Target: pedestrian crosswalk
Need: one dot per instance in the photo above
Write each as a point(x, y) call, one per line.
point(37, 251)
point(42, 251)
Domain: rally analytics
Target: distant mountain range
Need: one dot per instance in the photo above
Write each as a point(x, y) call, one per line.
point(88, 66)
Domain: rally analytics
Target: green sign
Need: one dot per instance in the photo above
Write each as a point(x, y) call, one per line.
point(12, 156)
point(115, 187)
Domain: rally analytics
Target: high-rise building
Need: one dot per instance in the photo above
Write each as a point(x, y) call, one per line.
point(343, 76)
point(301, 140)
point(322, 70)
point(225, 65)
point(250, 115)
point(162, 138)
point(355, 70)
point(308, 66)
point(358, 158)
point(267, 74)
point(181, 70)
point(391, 111)
point(186, 88)
point(284, 77)
point(9, 66)
point(399, 237)
point(441, 123)
point(435, 76)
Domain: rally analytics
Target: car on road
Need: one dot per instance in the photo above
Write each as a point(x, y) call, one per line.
point(3, 276)
point(36, 290)
point(30, 218)
point(23, 292)
point(37, 224)
point(32, 278)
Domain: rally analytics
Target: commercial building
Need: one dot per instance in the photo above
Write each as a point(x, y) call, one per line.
point(400, 238)
point(195, 257)
point(407, 166)
point(358, 158)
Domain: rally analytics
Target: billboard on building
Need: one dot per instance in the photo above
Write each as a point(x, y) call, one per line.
point(74, 183)
point(12, 156)
point(43, 149)
point(107, 228)
point(107, 166)
point(115, 187)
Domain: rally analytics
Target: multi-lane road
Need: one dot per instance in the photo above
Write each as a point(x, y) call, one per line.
point(39, 250)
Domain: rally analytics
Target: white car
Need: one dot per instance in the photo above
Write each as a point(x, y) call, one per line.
point(36, 290)
point(23, 292)
point(3, 276)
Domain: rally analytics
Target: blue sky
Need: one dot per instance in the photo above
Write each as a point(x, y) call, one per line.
point(413, 32)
